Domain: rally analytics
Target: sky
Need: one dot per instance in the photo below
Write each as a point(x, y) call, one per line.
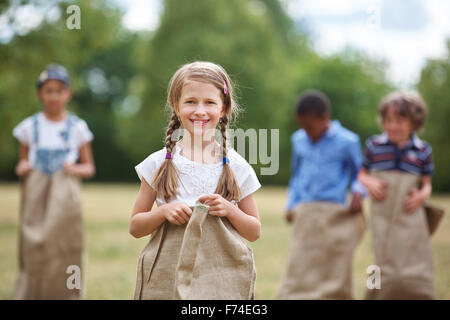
point(403, 32)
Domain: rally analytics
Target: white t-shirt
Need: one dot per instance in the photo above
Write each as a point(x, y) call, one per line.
point(198, 178)
point(51, 136)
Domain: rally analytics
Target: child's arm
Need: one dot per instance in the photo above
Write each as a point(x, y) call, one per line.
point(376, 187)
point(143, 221)
point(86, 168)
point(293, 197)
point(243, 217)
point(355, 160)
point(417, 197)
point(356, 202)
point(23, 166)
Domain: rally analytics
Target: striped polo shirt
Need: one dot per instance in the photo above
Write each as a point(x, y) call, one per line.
point(381, 154)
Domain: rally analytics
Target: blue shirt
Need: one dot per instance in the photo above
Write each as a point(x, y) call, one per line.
point(415, 157)
point(322, 171)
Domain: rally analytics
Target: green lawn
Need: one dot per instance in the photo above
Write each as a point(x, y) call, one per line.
point(112, 253)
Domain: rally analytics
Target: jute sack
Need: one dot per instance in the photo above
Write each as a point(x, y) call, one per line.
point(50, 236)
point(401, 243)
point(203, 259)
point(324, 238)
point(434, 216)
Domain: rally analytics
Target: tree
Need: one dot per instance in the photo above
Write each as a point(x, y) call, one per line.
point(434, 85)
point(251, 44)
point(99, 54)
point(120, 78)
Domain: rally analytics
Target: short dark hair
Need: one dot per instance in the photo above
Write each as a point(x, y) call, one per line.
point(406, 104)
point(313, 102)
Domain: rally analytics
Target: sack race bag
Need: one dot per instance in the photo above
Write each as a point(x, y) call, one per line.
point(401, 242)
point(324, 238)
point(434, 216)
point(201, 260)
point(50, 236)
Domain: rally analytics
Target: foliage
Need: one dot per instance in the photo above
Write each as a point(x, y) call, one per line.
point(120, 77)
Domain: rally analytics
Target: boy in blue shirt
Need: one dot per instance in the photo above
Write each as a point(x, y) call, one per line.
point(326, 159)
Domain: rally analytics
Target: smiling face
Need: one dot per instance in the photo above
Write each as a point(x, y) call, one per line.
point(398, 128)
point(200, 107)
point(54, 95)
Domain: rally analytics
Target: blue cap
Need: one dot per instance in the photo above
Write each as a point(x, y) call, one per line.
point(53, 71)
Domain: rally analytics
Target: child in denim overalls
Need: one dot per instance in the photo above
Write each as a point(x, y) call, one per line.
point(50, 241)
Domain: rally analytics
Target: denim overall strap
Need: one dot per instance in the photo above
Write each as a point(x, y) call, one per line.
point(35, 129)
point(71, 119)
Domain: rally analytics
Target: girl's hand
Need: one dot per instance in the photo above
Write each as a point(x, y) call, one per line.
point(177, 213)
point(377, 188)
point(414, 200)
point(70, 169)
point(218, 206)
point(80, 170)
point(23, 168)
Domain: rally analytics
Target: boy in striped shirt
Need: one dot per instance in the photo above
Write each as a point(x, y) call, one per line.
point(397, 170)
point(399, 148)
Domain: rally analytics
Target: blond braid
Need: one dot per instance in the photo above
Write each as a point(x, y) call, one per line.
point(227, 186)
point(174, 124)
point(223, 130)
point(166, 177)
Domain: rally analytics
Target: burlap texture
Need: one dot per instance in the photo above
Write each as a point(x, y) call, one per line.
point(401, 243)
point(50, 236)
point(324, 238)
point(203, 259)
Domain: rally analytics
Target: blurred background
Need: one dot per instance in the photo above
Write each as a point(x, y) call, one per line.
point(120, 62)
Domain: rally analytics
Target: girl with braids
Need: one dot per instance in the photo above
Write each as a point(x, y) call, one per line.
point(204, 196)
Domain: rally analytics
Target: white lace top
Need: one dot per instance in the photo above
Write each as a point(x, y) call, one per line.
point(199, 178)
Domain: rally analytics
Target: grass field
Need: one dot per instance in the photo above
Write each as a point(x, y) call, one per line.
point(112, 254)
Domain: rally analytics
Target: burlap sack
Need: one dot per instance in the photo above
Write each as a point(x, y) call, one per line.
point(401, 243)
point(50, 236)
point(434, 216)
point(203, 259)
point(324, 238)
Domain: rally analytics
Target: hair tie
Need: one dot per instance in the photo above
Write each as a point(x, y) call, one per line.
point(225, 90)
point(225, 160)
point(168, 155)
